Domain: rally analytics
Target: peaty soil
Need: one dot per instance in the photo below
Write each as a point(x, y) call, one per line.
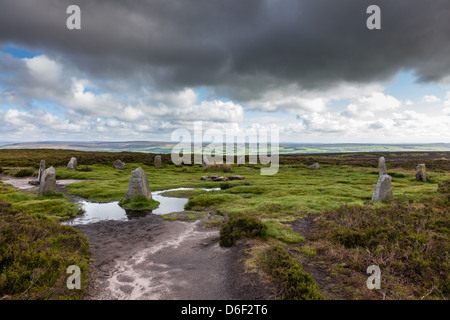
point(153, 258)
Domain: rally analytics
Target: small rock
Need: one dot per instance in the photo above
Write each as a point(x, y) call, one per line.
point(72, 163)
point(314, 166)
point(219, 179)
point(157, 162)
point(138, 185)
point(421, 173)
point(118, 164)
point(48, 182)
point(236, 178)
point(205, 178)
point(383, 189)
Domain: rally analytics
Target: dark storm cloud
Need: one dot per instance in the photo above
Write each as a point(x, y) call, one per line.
point(241, 48)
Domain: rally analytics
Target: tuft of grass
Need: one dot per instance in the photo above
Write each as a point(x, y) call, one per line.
point(184, 215)
point(209, 199)
point(288, 275)
point(282, 232)
point(237, 228)
point(24, 173)
point(218, 168)
point(85, 169)
point(139, 203)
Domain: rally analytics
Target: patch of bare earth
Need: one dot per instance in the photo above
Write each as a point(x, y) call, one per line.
point(152, 258)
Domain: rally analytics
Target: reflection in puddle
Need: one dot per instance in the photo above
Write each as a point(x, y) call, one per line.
point(95, 212)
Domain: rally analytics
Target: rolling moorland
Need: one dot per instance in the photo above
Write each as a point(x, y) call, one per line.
point(284, 148)
point(311, 233)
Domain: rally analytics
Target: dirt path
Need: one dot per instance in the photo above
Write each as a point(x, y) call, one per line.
point(151, 258)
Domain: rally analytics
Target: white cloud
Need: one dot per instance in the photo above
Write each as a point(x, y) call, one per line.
point(43, 69)
point(431, 99)
point(366, 106)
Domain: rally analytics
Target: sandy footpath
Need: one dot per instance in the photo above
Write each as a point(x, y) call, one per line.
point(151, 258)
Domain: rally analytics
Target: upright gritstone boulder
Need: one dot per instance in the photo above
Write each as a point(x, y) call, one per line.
point(138, 185)
point(72, 163)
point(48, 182)
point(383, 189)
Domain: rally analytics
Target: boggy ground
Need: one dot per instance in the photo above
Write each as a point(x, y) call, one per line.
point(153, 258)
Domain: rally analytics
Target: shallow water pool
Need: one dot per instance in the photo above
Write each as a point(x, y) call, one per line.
point(95, 211)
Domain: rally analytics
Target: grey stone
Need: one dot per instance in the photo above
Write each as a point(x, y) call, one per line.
point(48, 182)
point(119, 164)
point(157, 162)
point(138, 185)
point(72, 163)
point(205, 178)
point(41, 171)
point(314, 166)
point(219, 178)
point(382, 166)
point(383, 189)
point(236, 178)
point(421, 173)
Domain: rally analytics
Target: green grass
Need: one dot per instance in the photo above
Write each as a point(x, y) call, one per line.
point(184, 215)
point(52, 205)
point(139, 203)
point(282, 232)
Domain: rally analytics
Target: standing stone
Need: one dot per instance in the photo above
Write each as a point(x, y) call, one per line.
point(72, 163)
point(383, 189)
point(382, 166)
point(157, 162)
point(41, 171)
point(421, 173)
point(314, 166)
point(118, 164)
point(48, 182)
point(241, 160)
point(138, 185)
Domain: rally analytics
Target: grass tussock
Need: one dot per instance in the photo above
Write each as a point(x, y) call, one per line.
point(35, 252)
point(237, 228)
point(293, 283)
point(139, 203)
point(24, 173)
point(215, 167)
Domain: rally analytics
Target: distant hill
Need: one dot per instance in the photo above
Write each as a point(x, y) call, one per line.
point(285, 148)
